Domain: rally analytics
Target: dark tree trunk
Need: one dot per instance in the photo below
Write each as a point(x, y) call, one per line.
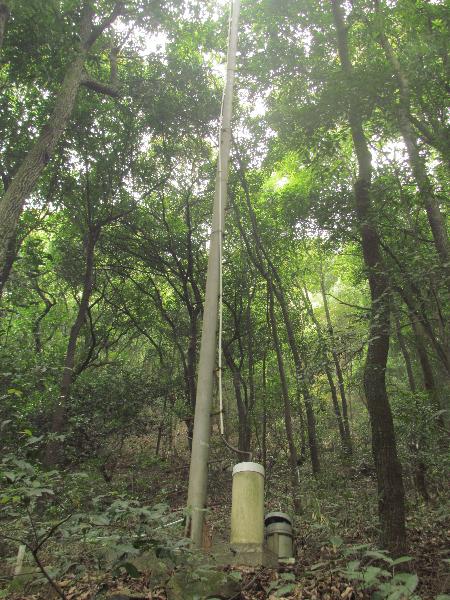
point(301, 380)
point(337, 364)
point(293, 457)
point(10, 257)
point(427, 371)
point(4, 16)
point(420, 477)
point(343, 431)
point(264, 415)
point(259, 257)
point(438, 398)
point(53, 454)
point(337, 411)
point(244, 429)
point(49, 304)
point(405, 353)
point(418, 312)
point(435, 217)
point(416, 445)
point(391, 496)
point(191, 361)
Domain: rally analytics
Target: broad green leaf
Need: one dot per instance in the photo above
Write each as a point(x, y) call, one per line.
point(285, 589)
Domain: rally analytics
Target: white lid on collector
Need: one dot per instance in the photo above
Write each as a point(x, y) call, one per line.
point(248, 466)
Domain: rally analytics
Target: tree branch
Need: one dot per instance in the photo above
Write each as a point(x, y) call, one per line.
point(97, 31)
point(100, 87)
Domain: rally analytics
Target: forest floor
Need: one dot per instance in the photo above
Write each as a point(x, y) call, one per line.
point(338, 526)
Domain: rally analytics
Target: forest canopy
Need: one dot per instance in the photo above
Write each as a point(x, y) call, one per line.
point(334, 365)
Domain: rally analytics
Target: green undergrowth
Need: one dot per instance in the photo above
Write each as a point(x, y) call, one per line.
point(82, 532)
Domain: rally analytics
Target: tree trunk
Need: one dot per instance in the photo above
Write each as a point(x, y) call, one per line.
point(391, 497)
point(4, 16)
point(29, 172)
point(418, 315)
point(273, 279)
point(264, 415)
point(10, 257)
point(416, 445)
point(191, 361)
point(49, 304)
point(438, 398)
point(53, 454)
point(405, 353)
point(243, 416)
point(337, 410)
point(337, 364)
point(293, 457)
point(417, 164)
point(343, 431)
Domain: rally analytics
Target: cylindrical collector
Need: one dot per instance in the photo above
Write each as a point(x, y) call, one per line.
point(247, 504)
point(279, 539)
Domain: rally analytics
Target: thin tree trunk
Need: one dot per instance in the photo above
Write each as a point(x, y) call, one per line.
point(4, 16)
point(251, 366)
point(337, 364)
point(416, 445)
point(405, 353)
point(293, 456)
point(273, 279)
point(243, 416)
point(437, 397)
point(343, 432)
point(264, 415)
point(301, 378)
point(435, 217)
point(53, 453)
point(427, 371)
point(191, 361)
point(337, 410)
point(419, 316)
point(49, 304)
point(391, 496)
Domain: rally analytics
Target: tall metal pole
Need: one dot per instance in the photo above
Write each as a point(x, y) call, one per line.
point(198, 474)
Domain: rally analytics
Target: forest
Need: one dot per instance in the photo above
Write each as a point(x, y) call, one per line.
point(224, 241)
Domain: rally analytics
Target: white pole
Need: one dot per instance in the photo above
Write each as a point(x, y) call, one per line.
point(198, 474)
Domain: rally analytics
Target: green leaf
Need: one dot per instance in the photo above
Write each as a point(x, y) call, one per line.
point(285, 589)
point(410, 580)
point(371, 575)
point(336, 541)
point(355, 549)
point(130, 569)
point(401, 559)
point(380, 555)
point(33, 440)
point(100, 520)
point(122, 549)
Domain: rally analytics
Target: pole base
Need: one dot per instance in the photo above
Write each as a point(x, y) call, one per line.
point(248, 555)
